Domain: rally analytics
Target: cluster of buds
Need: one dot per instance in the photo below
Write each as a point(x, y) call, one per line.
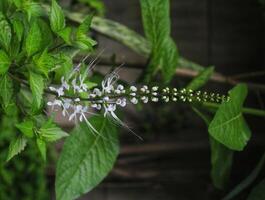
point(111, 95)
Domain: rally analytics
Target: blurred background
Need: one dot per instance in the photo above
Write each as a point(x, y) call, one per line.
point(173, 160)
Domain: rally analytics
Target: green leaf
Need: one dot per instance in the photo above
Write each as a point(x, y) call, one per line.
point(169, 59)
point(57, 19)
point(33, 9)
point(98, 5)
point(82, 40)
point(221, 157)
point(18, 27)
point(5, 33)
point(34, 39)
point(84, 26)
point(86, 158)
point(65, 67)
point(16, 146)
point(4, 62)
point(66, 35)
point(37, 86)
point(156, 21)
point(229, 126)
point(85, 43)
point(222, 160)
point(46, 62)
point(47, 37)
point(26, 128)
point(201, 79)
point(6, 88)
point(49, 132)
point(3, 5)
point(42, 148)
point(258, 193)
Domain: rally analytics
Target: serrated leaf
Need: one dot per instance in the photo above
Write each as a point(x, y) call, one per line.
point(26, 128)
point(201, 79)
point(85, 43)
point(47, 37)
point(66, 35)
point(50, 132)
point(4, 62)
point(34, 39)
point(16, 146)
point(42, 148)
point(37, 86)
point(18, 27)
point(46, 62)
point(57, 19)
point(5, 33)
point(81, 167)
point(65, 67)
point(6, 88)
point(229, 126)
point(33, 9)
point(156, 21)
point(84, 26)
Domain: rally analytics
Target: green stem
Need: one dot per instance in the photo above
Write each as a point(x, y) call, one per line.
point(248, 181)
point(250, 111)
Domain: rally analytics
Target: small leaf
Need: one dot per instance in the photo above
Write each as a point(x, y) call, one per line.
point(16, 146)
point(37, 87)
point(49, 132)
point(4, 62)
point(229, 126)
point(42, 148)
point(18, 27)
point(34, 39)
point(66, 34)
point(57, 19)
point(46, 62)
point(84, 27)
point(5, 33)
point(201, 79)
point(86, 159)
point(82, 40)
point(33, 9)
point(85, 43)
point(6, 88)
point(26, 128)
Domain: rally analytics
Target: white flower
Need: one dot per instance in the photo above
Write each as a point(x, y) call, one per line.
point(133, 88)
point(67, 103)
point(134, 100)
point(82, 86)
point(56, 102)
point(108, 82)
point(64, 84)
point(59, 91)
point(109, 109)
point(75, 86)
point(121, 102)
point(97, 92)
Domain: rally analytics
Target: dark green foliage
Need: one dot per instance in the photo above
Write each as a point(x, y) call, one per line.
point(164, 54)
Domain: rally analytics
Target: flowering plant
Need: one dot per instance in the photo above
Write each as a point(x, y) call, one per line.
point(38, 50)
